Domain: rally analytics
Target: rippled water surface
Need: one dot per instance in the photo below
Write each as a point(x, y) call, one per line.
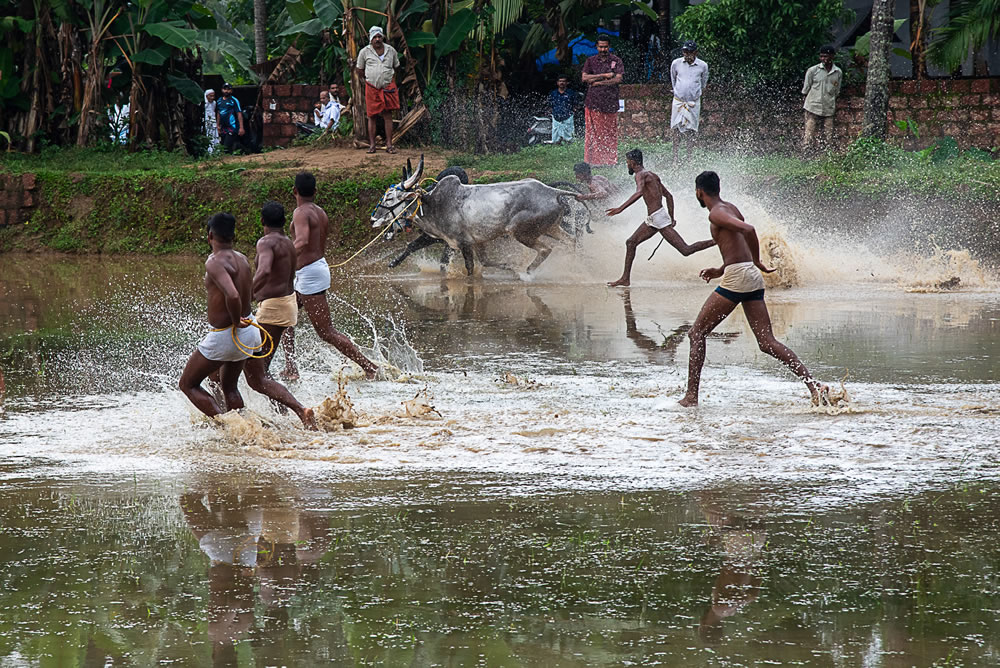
point(556, 509)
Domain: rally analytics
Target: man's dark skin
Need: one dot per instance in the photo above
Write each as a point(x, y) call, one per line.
point(738, 243)
point(652, 191)
point(275, 274)
point(228, 282)
point(378, 43)
point(310, 226)
point(607, 78)
point(599, 186)
point(228, 92)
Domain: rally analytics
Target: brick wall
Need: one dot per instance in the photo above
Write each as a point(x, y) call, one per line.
point(284, 106)
point(966, 109)
point(18, 198)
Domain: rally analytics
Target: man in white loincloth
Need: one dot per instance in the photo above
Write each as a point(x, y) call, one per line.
point(652, 191)
point(688, 77)
point(233, 338)
point(742, 283)
point(310, 227)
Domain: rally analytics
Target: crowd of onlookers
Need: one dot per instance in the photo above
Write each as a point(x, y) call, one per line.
point(602, 74)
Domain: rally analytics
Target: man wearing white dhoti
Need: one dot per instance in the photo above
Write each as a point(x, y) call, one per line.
point(688, 76)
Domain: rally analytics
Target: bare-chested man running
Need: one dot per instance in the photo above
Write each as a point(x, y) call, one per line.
point(742, 283)
point(228, 281)
point(277, 309)
point(312, 277)
point(652, 191)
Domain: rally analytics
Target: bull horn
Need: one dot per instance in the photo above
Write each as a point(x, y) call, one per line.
point(414, 179)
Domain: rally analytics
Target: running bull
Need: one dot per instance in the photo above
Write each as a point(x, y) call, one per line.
point(466, 216)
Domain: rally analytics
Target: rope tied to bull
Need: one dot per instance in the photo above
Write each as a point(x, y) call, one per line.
point(250, 351)
point(410, 211)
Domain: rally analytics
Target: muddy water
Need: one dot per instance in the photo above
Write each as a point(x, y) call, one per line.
point(555, 508)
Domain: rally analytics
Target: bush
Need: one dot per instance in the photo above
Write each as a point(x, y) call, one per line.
point(757, 42)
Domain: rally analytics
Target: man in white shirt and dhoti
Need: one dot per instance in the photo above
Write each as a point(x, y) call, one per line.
point(821, 87)
point(688, 76)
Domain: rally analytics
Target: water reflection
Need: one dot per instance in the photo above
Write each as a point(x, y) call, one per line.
point(258, 541)
point(738, 584)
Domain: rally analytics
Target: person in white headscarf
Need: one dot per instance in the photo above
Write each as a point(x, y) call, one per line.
point(211, 127)
point(377, 63)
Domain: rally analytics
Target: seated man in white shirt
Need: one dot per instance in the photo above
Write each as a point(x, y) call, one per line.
point(327, 114)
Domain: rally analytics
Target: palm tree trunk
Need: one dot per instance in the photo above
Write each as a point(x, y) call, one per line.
point(876, 123)
point(260, 30)
point(91, 91)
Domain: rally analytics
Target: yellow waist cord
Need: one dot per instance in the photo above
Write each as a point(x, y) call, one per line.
point(265, 339)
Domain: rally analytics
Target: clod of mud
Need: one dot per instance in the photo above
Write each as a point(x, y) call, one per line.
point(336, 413)
point(510, 379)
point(419, 406)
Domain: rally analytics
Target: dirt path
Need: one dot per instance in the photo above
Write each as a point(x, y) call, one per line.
point(337, 158)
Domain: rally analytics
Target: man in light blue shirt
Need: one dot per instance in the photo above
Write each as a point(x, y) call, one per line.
point(688, 76)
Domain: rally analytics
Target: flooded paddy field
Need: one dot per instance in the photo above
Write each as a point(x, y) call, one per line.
point(555, 508)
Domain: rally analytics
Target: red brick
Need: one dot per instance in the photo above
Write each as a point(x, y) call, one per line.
point(28, 200)
point(311, 92)
point(640, 118)
point(959, 86)
point(918, 103)
point(928, 86)
point(991, 100)
point(897, 103)
point(970, 100)
point(926, 115)
point(857, 103)
point(267, 90)
point(3, 217)
point(271, 131)
point(281, 118)
point(908, 87)
point(288, 130)
point(980, 86)
point(996, 114)
point(28, 181)
point(951, 129)
point(979, 115)
point(282, 91)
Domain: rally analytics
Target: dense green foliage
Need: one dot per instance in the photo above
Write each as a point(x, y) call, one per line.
point(754, 43)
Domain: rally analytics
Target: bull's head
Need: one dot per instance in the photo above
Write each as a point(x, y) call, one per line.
point(400, 201)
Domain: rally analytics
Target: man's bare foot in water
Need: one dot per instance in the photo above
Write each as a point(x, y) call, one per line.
point(308, 419)
point(371, 372)
point(820, 393)
point(289, 373)
point(688, 400)
point(620, 283)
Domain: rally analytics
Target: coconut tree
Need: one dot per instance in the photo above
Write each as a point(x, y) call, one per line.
point(971, 24)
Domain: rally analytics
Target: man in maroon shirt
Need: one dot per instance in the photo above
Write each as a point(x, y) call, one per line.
point(602, 74)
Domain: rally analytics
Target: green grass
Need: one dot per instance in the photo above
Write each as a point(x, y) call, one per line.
point(97, 160)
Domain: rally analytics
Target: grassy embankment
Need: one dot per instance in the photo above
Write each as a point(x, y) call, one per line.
point(112, 201)
point(863, 171)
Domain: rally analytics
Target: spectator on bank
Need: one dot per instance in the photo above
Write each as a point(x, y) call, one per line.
point(327, 113)
point(229, 119)
point(688, 77)
point(821, 87)
point(563, 101)
point(602, 74)
point(377, 63)
point(211, 127)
